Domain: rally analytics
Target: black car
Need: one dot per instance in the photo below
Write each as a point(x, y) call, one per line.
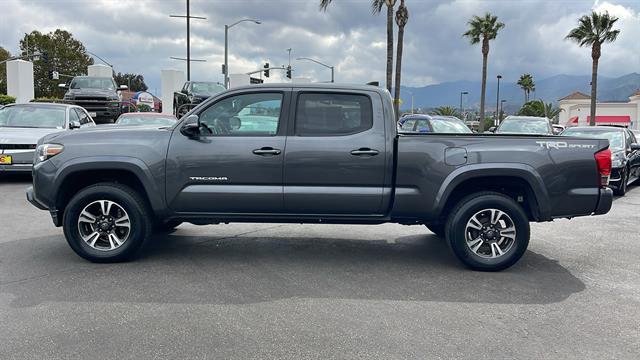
point(98, 95)
point(625, 153)
point(193, 93)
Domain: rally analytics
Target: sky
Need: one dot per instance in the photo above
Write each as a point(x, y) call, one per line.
point(140, 37)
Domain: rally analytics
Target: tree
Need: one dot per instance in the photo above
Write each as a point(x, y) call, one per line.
point(376, 7)
point(483, 29)
point(135, 82)
point(539, 108)
point(446, 111)
point(65, 54)
point(527, 84)
point(594, 30)
point(402, 17)
point(4, 55)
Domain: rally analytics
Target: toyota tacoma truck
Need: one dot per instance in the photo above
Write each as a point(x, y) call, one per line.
point(192, 94)
point(311, 153)
point(98, 95)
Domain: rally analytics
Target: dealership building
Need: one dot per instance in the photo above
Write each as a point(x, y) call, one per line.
point(577, 107)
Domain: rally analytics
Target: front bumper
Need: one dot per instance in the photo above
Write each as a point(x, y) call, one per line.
point(16, 168)
point(22, 161)
point(605, 200)
point(32, 199)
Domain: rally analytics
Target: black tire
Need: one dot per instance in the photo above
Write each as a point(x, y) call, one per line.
point(140, 219)
point(622, 188)
point(462, 213)
point(437, 229)
point(167, 227)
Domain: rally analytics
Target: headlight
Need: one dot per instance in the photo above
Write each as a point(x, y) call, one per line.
point(47, 151)
point(616, 162)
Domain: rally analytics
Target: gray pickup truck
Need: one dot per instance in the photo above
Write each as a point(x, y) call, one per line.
point(313, 154)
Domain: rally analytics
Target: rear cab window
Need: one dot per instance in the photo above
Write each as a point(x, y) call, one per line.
point(332, 114)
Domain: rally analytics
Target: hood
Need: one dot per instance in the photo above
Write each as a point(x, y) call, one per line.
point(91, 92)
point(24, 135)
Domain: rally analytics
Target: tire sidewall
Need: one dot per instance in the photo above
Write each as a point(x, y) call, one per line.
point(137, 232)
point(457, 225)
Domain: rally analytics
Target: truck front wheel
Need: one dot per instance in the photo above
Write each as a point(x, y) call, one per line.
point(107, 222)
point(488, 231)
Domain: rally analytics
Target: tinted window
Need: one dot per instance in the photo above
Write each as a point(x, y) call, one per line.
point(243, 115)
point(408, 125)
point(93, 83)
point(422, 125)
point(73, 116)
point(333, 114)
point(84, 118)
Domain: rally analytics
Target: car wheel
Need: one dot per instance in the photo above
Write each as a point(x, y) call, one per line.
point(488, 231)
point(107, 222)
point(437, 229)
point(622, 188)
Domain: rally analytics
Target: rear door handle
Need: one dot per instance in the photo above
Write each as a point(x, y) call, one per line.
point(267, 151)
point(365, 151)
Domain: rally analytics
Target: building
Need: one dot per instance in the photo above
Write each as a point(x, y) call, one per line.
point(577, 107)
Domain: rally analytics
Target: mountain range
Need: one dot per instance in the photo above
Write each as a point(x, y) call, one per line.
point(615, 89)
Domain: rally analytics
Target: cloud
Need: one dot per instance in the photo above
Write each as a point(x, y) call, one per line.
point(138, 36)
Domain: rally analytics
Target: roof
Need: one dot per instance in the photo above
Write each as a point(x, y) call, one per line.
point(525, 118)
point(42, 104)
point(577, 96)
point(357, 87)
point(637, 93)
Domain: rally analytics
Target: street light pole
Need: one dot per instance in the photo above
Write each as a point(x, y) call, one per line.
point(462, 93)
point(500, 114)
point(188, 59)
point(498, 99)
point(226, 47)
point(319, 63)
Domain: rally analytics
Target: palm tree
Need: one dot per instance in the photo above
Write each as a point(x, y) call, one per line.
point(376, 8)
point(402, 17)
point(527, 84)
point(446, 111)
point(551, 112)
point(594, 30)
point(539, 108)
point(483, 29)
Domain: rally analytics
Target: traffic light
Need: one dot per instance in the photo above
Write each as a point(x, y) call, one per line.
point(289, 71)
point(224, 69)
point(45, 57)
point(266, 71)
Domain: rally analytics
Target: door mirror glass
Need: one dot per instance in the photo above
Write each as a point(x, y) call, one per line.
point(74, 125)
point(635, 147)
point(191, 126)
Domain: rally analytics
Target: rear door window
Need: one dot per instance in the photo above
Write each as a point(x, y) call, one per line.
point(332, 114)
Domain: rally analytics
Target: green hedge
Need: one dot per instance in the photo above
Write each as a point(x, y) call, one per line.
point(6, 99)
point(46, 100)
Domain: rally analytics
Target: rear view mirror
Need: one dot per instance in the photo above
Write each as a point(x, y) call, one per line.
point(191, 126)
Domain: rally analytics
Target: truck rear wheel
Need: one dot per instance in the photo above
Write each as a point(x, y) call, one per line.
point(107, 222)
point(488, 231)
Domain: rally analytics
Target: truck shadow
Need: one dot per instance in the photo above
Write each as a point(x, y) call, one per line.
point(244, 270)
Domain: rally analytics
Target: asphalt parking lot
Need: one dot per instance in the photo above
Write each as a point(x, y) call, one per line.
point(269, 291)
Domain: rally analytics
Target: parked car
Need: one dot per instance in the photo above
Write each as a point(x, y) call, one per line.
point(558, 129)
point(344, 162)
point(525, 125)
point(625, 153)
point(146, 119)
point(193, 93)
point(98, 95)
point(21, 125)
point(432, 124)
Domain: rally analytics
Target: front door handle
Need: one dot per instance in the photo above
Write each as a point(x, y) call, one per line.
point(267, 151)
point(365, 151)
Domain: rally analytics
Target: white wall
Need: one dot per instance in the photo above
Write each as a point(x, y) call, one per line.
point(20, 80)
point(171, 81)
point(237, 80)
point(100, 70)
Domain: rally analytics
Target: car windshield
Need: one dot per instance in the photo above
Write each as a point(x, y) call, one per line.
point(449, 126)
point(616, 138)
point(207, 88)
point(93, 83)
point(521, 126)
point(133, 120)
point(32, 117)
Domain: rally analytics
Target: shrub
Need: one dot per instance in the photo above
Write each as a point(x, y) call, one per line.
point(6, 99)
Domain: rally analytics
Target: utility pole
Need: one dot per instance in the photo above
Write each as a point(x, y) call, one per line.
point(461, 108)
point(498, 99)
point(188, 17)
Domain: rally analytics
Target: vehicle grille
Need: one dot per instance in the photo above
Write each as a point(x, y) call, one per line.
point(17, 146)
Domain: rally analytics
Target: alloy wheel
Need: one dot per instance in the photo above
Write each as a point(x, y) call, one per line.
point(104, 225)
point(490, 233)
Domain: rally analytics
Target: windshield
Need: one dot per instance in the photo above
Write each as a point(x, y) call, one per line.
point(207, 88)
point(32, 117)
point(519, 126)
point(449, 126)
point(616, 138)
point(93, 83)
point(146, 120)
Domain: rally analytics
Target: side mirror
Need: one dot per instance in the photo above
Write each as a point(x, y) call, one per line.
point(184, 91)
point(123, 87)
point(74, 125)
point(492, 129)
point(63, 86)
point(635, 147)
point(191, 126)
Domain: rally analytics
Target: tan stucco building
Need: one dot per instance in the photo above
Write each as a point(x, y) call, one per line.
point(577, 106)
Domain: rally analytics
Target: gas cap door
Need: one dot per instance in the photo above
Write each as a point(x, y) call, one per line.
point(455, 156)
